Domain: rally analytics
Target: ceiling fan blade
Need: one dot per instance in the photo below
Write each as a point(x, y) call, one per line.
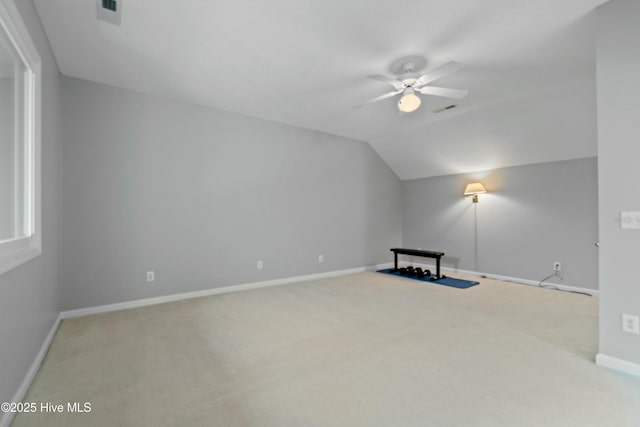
point(446, 69)
point(389, 80)
point(443, 91)
point(378, 98)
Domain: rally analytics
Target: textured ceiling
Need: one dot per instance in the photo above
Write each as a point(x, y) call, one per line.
point(305, 62)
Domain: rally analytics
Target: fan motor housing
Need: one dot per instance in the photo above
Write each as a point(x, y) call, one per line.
point(398, 67)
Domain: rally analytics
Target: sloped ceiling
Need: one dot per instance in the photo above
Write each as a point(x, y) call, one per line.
point(305, 63)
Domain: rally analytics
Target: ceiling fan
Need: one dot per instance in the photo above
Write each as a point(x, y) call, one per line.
point(410, 82)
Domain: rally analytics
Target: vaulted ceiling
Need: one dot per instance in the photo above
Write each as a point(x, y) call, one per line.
point(306, 62)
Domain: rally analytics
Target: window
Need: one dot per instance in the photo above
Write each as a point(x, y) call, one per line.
point(20, 238)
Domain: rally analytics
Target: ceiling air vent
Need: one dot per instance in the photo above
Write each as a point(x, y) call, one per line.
point(448, 107)
point(109, 4)
point(109, 10)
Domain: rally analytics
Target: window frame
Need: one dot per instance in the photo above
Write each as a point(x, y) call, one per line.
point(17, 251)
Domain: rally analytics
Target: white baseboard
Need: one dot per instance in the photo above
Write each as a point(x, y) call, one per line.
point(214, 291)
point(592, 292)
point(618, 364)
point(6, 418)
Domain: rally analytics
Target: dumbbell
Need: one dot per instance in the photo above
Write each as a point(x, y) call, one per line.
point(419, 273)
point(411, 271)
point(403, 271)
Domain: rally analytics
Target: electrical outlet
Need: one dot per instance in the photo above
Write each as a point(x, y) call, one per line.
point(320, 258)
point(151, 276)
point(630, 220)
point(260, 265)
point(557, 266)
point(631, 324)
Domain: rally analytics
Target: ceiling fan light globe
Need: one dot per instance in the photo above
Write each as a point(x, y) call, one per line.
point(409, 102)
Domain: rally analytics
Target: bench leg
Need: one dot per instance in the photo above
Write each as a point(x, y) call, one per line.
point(438, 267)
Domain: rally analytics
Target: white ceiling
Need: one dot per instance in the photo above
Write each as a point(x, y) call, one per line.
point(305, 62)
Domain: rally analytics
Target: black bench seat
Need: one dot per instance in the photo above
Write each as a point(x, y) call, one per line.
point(418, 252)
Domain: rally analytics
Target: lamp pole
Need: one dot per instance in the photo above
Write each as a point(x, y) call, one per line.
point(475, 236)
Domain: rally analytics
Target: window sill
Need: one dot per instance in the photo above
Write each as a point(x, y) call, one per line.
point(15, 259)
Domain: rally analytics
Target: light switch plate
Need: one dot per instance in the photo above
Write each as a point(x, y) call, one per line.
point(630, 220)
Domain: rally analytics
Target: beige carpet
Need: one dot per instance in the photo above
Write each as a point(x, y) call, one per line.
point(359, 350)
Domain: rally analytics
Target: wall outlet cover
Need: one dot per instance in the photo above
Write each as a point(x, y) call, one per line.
point(630, 220)
point(631, 323)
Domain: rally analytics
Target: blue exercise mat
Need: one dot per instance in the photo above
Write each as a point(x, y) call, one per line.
point(446, 281)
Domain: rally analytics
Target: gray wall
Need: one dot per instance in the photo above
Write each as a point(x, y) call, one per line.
point(199, 195)
point(618, 62)
point(28, 294)
point(532, 216)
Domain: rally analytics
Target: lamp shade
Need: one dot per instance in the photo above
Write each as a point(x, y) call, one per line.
point(409, 101)
point(474, 188)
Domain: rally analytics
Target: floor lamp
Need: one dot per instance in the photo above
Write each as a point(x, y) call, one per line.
point(471, 192)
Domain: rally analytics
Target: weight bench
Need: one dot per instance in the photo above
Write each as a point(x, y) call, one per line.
point(417, 252)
